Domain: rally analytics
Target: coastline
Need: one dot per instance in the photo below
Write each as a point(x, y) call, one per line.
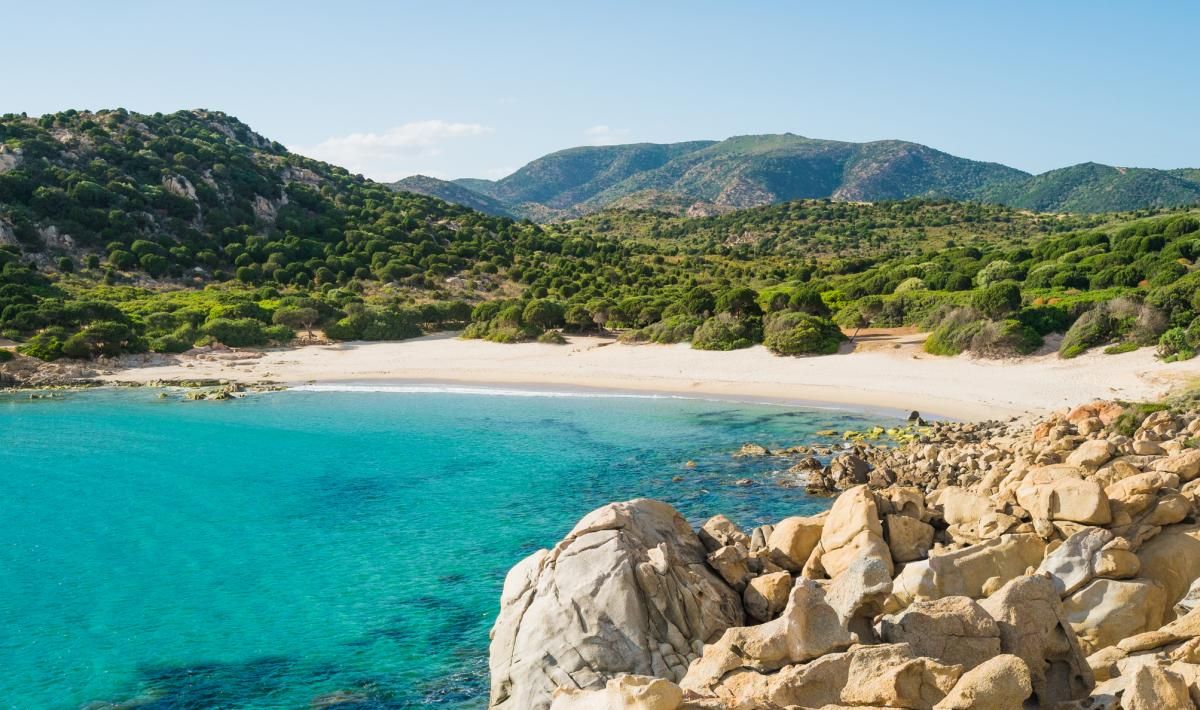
point(891, 373)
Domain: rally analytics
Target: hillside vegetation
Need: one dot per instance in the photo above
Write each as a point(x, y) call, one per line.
point(122, 232)
point(709, 177)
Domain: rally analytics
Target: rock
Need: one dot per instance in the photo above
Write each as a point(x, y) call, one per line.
point(1172, 559)
point(719, 531)
point(1089, 553)
point(1092, 454)
point(1107, 611)
point(752, 450)
point(965, 572)
point(1066, 498)
point(1000, 683)
point(876, 676)
point(627, 692)
point(1145, 447)
point(848, 470)
point(767, 595)
point(808, 628)
point(960, 506)
point(1134, 494)
point(851, 530)
point(629, 579)
point(732, 562)
point(793, 540)
point(908, 538)
point(858, 595)
point(1186, 464)
point(1034, 627)
point(1154, 688)
point(953, 630)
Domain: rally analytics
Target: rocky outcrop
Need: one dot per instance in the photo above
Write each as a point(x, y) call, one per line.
point(994, 565)
point(628, 591)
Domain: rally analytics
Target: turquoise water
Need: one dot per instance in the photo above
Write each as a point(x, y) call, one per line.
point(265, 552)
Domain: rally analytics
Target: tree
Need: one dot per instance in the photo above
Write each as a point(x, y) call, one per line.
point(739, 302)
point(296, 318)
point(997, 300)
point(543, 314)
point(698, 301)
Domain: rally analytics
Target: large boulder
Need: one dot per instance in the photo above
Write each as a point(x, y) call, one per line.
point(908, 538)
point(719, 531)
point(966, 572)
point(792, 541)
point(627, 692)
point(1107, 611)
point(808, 628)
point(626, 592)
point(1185, 464)
point(1034, 627)
point(1172, 558)
point(1089, 553)
point(767, 595)
point(878, 676)
point(1000, 683)
point(1092, 454)
point(1067, 498)
point(953, 630)
point(851, 530)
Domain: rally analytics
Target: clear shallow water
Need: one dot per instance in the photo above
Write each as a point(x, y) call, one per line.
point(265, 552)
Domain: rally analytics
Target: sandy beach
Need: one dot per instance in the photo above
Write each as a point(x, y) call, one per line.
point(886, 370)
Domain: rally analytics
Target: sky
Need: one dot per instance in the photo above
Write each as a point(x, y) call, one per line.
point(477, 89)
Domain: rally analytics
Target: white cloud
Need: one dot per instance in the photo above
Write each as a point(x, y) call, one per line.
point(394, 153)
point(605, 135)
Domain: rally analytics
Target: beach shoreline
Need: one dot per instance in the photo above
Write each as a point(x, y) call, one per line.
point(889, 374)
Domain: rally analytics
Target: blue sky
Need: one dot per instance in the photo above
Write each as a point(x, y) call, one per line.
point(457, 89)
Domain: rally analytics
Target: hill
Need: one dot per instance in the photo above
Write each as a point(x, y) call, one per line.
point(707, 177)
point(125, 232)
point(451, 192)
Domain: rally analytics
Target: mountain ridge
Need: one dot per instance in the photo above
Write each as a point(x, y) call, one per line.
point(706, 177)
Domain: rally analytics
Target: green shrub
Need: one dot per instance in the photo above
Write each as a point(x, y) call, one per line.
point(46, 345)
point(1094, 327)
point(6, 355)
point(279, 333)
point(796, 333)
point(953, 335)
point(552, 337)
point(1125, 347)
point(1046, 319)
point(997, 300)
point(673, 329)
point(236, 332)
point(724, 332)
point(1005, 338)
point(1173, 345)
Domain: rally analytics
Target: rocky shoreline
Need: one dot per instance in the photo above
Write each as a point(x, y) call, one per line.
point(1020, 564)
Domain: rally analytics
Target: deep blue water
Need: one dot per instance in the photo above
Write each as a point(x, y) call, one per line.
point(264, 552)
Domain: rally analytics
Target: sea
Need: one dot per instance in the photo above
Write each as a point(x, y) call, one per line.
point(318, 545)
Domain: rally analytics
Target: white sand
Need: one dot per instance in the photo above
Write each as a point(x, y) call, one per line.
point(892, 373)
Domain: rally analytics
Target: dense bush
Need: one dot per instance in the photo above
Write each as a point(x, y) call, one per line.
point(673, 329)
point(797, 333)
point(725, 332)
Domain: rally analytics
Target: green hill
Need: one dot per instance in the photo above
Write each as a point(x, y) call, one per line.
point(123, 232)
point(705, 177)
point(451, 192)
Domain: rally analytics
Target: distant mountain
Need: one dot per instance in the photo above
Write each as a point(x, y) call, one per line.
point(1091, 187)
point(707, 177)
point(453, 193)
